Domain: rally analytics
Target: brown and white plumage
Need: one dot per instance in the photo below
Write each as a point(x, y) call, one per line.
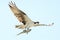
point(22, 17)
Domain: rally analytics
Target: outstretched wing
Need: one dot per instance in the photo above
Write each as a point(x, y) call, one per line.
point(21, 16)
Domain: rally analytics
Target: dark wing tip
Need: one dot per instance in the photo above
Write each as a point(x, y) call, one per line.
point(9, 5)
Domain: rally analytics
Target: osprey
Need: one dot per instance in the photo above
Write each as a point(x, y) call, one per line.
point(22, 17)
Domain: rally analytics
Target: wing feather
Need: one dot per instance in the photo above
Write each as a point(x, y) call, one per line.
point(21, 16)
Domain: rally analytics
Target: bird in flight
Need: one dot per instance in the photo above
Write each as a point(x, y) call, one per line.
point(23, 18)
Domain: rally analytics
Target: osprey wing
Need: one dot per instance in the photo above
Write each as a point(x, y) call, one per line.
point(21, 16)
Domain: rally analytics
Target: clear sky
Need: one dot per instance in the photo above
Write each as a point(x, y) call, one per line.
point(44, 11)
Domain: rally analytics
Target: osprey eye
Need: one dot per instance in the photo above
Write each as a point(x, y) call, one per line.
point(34, 22)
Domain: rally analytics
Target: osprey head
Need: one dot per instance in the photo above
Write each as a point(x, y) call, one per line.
point(36, 22)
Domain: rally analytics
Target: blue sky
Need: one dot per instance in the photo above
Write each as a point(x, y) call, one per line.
point(44, 11)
